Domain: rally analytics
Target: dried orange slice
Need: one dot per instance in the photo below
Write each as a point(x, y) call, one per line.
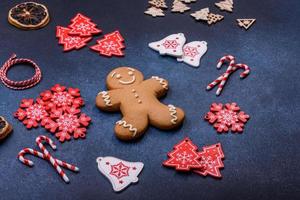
point(29, 15)
point(5, 128)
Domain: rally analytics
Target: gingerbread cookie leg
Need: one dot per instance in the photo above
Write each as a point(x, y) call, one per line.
point(166, 117)
point(132, 126)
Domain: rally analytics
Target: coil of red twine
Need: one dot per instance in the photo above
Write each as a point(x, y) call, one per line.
point(19, 85)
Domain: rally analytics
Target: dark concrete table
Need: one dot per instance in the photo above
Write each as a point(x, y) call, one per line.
point(261, 163)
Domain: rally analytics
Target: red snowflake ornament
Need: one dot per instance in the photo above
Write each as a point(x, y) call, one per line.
point(211, 160)
point(184, 157)
point(31, 113)
point(67, 124)
point(61, 98)
point(82, 26)
point(111, 44)
point(58, 111)
point(228, 117)
point(70, 42)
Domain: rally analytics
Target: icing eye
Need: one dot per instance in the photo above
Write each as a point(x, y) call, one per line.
point(118, 76)
point(130, 73)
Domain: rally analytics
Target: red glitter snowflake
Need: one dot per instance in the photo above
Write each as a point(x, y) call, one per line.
point(170, 44)
point(31, 113)
point(227, 117)
point(58, 111)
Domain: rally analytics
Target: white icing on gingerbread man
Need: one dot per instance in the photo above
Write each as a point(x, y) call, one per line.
point(137, 99)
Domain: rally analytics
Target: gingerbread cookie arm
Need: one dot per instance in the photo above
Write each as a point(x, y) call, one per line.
point(166, 116)
point(131, 126)
point(159, 85)
point(108, 100)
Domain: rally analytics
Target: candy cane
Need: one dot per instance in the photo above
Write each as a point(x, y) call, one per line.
point(41, 155)
point(47, 156)
point(228, 58)
point(246, 71)
point(221, 80)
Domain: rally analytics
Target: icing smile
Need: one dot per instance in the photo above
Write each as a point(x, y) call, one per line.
point(127, 82)
point(119, 76)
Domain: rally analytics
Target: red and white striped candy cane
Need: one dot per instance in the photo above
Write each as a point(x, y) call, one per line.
point(27, 162)
point(228, 58)
point(47, 156)
point(246, 71)
point(29, 151)
point(221, 80)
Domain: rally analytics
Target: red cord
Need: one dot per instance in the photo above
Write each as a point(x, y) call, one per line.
point(19, 85)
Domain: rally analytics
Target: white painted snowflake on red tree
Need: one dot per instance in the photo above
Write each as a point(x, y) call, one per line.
point(184, 157)
point(227, 117)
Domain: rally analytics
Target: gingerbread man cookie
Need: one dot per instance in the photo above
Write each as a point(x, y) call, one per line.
point(137, 99)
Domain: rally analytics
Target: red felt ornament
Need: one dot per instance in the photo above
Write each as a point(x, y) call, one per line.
point(111, 44)
point(58, 111)
point(211, 160)
point(83, 26)
point(31, 112)
point(184, 157)
point(70, 42)
point(227, 117)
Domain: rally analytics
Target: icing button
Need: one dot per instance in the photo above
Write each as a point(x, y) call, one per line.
point(133, 90)
point(136, 96)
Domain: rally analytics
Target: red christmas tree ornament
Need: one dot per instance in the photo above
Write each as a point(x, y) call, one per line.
point(211, 160)
point(83, 26)
point(70, 42)
point(184, 157)
point(227, 117)
point(111, 44)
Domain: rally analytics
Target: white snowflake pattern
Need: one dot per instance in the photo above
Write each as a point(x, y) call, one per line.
point(73, 40)
point(110, 45)
point(84, 27)
point(170, 44)
point(190, 51)
point(68, 122)
point(208, 161)
point(228, 117)
point(184, 157)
